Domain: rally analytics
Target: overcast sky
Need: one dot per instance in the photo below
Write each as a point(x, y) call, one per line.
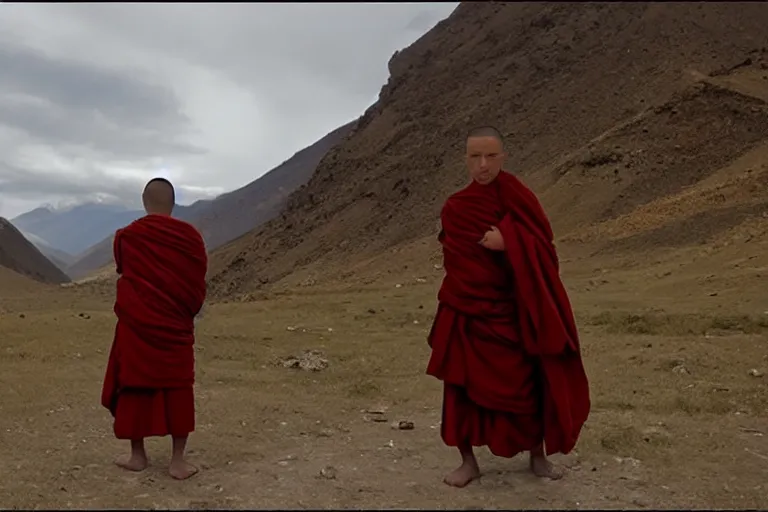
point(97, 98)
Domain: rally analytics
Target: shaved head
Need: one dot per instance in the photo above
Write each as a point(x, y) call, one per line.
point(159, 197)
point(486, 131)
point(485, 154)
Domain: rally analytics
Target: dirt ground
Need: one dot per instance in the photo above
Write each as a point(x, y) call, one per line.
point(679, 415)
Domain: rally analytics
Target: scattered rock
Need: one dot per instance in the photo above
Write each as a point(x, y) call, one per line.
point(628, 460)
point(421, 280)
point(22, 315)
point(655, 432)
point(398, 286)
point(372, 311)
point(84, 316)
point(403, 425)
point(752, 431)
point(755, 373)
point(681, 370)
point(328, 472)
point(291, 329)
point(640, 503)
point(309, 360)
point(375, 416)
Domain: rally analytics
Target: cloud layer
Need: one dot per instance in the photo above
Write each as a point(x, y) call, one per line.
point(97, 98)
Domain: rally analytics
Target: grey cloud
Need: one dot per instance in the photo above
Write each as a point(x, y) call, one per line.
point(74, 85)
point(53, 125)
point(60, 101)
point(276, 48)
point(249, 83)
point(84, 115)
point(23, 184)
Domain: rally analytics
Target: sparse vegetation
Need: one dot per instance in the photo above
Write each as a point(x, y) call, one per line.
point(596, 160)
point(673, 339)
point(659, 324)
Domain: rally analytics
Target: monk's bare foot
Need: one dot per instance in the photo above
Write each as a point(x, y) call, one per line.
point(181, 470)
point(133, 462)
point(463, 475)
point(543, 468)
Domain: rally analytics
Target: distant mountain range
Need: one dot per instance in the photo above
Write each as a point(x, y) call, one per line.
point(73, 230)
point(78, 240)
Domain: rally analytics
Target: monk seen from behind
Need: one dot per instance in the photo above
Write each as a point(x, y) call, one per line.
point(504, 340)
point(148, 387)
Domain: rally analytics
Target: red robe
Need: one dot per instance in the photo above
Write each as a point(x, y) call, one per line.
point(504, 340)
point(148, 386)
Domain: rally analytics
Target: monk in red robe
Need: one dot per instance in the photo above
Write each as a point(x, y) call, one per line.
point(504, 340)
point(149, 381)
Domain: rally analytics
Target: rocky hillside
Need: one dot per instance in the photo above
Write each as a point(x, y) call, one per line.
point(21, 256)
point(605, 107)
point(235, 213)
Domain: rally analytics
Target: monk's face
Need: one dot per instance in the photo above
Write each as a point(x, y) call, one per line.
point(485, 158)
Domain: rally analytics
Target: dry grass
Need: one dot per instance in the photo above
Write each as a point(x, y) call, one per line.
point(658, 436)
point(661, 324)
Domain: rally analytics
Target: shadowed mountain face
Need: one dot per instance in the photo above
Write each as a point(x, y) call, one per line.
point(59, 258)
point(600, 105)
point(21, 256)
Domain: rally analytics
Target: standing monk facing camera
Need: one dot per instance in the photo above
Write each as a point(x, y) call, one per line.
point(504, 340)
point(148, 386)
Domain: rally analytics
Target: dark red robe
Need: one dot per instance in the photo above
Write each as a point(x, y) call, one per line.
point(504, 340)
point(148, 386)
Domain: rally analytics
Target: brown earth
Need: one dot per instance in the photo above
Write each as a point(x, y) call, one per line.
point(21, 256)
point(660, 208)
point(675, 352)
point(235, 213)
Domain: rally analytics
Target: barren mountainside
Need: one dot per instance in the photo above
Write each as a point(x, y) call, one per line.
point(21, 256)
point(606, 108)
point(233, 214)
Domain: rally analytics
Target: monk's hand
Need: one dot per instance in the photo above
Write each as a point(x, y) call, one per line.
point(493, 240)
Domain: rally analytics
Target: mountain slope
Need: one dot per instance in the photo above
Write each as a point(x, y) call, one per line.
point(554, 78)
point(75, 229)
point(232, 214)
point(59, 258)
point(21, 256)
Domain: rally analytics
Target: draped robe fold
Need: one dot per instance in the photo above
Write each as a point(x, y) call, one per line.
point(149, 381)
point(504, 339)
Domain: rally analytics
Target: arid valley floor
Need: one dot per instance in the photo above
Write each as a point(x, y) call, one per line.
point(675, 353)
point(642, 127)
